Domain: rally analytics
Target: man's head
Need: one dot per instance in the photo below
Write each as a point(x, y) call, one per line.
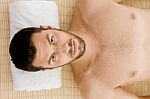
point(34, 49)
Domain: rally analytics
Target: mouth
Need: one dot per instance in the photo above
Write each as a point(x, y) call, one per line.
point(73, 48)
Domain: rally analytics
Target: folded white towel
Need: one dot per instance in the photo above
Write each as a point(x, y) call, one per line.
point(29, 14)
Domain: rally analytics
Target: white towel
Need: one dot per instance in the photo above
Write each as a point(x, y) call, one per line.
point(29, 14)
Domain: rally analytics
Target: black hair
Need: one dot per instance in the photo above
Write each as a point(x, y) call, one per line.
point(22, 49)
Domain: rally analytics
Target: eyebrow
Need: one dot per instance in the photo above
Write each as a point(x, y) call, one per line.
point(47, 37)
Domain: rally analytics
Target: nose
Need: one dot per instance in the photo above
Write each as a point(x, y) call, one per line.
point(67, 47)
point(64, 48)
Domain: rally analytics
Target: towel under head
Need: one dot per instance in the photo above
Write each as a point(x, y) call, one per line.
point(33, 14)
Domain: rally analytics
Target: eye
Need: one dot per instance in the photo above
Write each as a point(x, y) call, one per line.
point(53, 57)
point(52, 40)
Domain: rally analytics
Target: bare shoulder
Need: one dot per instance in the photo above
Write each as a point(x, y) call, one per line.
point(88, 8)
point(91, 88)
point(92, 5)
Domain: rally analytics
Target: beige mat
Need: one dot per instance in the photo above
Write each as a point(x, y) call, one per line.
point(69, 89)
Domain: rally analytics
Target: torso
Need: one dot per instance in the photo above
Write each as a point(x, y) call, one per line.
point(122, 42)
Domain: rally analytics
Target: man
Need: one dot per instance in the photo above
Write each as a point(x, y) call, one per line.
point(107, 45)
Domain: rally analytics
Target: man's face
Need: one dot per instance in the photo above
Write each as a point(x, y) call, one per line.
point(55, 48)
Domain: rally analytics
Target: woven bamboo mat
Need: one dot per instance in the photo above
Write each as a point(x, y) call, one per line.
point(69, 88)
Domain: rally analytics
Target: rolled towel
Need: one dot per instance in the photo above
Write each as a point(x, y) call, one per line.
point(33, 14)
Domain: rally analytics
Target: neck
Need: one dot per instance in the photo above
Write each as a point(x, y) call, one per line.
point(90, 46)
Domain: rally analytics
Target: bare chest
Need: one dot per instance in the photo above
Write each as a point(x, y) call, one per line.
point(123, 50)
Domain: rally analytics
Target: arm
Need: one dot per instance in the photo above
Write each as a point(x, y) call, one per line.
point(117, 93)
point(120, 93)
point(91, 88)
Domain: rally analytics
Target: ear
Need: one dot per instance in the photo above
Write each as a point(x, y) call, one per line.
point(47, 27)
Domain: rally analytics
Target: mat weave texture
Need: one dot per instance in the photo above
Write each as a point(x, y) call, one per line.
point(69, 88)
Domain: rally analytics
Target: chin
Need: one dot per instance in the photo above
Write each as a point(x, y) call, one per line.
point(80, 54)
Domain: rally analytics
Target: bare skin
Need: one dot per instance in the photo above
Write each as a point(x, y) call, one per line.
point(117, 48)
point(110, 48)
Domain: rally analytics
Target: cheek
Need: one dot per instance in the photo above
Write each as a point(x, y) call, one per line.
point(63, 38)
point(64, 58)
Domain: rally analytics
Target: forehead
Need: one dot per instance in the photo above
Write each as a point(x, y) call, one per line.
point(39, 42)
